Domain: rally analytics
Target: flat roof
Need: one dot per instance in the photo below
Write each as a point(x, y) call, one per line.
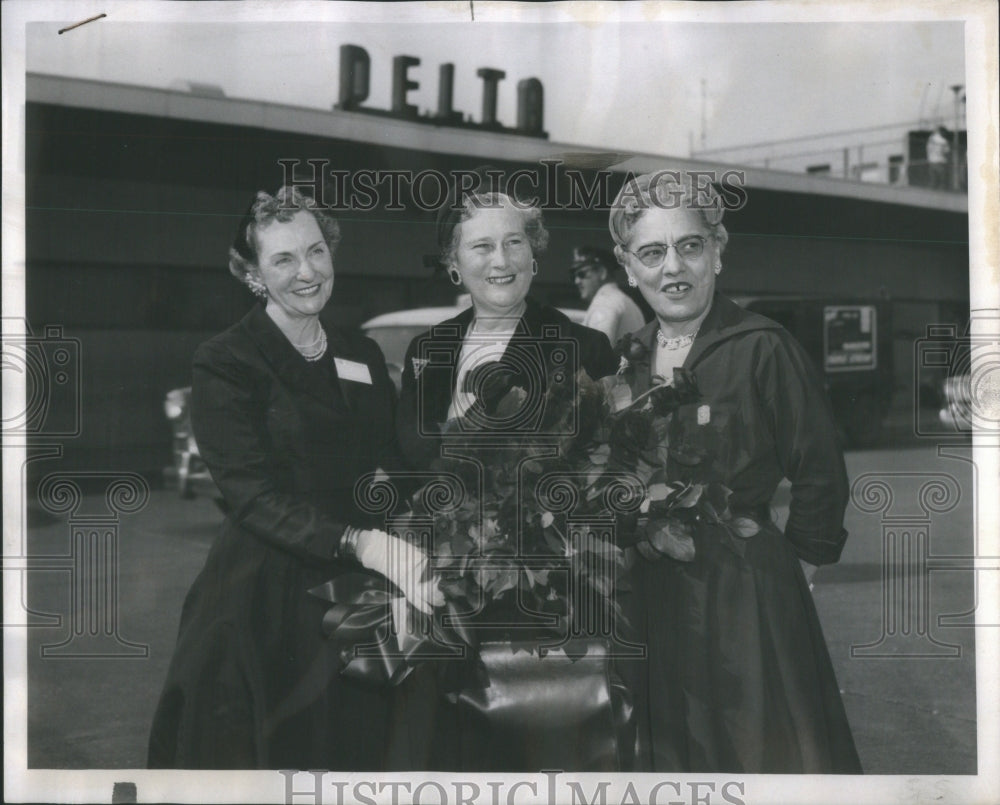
point(396, 133)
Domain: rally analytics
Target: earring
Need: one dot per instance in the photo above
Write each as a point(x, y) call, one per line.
point(454, 276)
point(258, 288)
point(534, 266)
point(718, 267)
point(633, 284)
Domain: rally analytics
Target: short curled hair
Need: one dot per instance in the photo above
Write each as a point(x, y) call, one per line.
point(531, 218)
point(667, 190)
point(265, 209)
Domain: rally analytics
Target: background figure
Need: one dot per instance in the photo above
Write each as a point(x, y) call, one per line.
point(289, 412)
point(738, 678)
point(610, 309)
point(938, 149)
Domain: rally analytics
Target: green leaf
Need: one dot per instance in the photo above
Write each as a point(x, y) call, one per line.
point(645, 470)
point(673, 539)
point(690, 496)
point(600, 455)
point(554, 542)
point(506, 580)
point(744, 527)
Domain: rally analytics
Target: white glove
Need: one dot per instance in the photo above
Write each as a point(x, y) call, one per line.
point(403, 563)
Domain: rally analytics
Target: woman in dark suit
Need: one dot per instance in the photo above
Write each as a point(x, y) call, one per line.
point(289, 413)
point(462, 366)
point(453, 377)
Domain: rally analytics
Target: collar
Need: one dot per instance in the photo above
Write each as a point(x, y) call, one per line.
point(286, 361)
point(725, 320)
point(533, 321)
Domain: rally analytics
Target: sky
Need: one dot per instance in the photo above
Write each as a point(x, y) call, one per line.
point(630, 86)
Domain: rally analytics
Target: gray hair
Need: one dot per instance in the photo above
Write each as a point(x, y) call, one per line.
point(666, 190)
point(531, 219)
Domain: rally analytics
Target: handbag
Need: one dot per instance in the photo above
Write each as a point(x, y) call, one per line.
point(558, 708)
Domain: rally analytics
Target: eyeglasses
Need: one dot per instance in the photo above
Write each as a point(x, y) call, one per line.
point(653, 255)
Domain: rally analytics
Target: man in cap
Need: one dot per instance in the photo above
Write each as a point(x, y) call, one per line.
point(611, 311)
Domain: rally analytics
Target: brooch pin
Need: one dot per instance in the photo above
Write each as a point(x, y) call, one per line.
point(418, 366)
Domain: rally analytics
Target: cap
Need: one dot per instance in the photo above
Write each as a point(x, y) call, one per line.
point(592, 257)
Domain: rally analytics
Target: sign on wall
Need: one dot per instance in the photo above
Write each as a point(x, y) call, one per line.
point(849, 338)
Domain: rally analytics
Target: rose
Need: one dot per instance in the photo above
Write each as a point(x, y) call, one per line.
point(631, 348)
point(490, 383)
point(630, 436)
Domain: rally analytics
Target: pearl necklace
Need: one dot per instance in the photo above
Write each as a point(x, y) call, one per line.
point(314, 351)
point(679, 342)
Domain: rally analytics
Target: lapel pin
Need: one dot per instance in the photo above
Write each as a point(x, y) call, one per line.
point(418, 366)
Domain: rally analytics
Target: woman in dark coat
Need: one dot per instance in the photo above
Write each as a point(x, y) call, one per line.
point(488, 245)
point(288, 413)
point(738, 677)
point(456, 373)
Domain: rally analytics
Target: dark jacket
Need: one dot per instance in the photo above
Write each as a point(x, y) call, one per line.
point(253, 684)
point(770, 419)
point(544, 336)
point(737, 676)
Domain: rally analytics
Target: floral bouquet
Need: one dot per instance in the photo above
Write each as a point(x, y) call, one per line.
point(682, 497)
point(537, 544)
point(539, 537)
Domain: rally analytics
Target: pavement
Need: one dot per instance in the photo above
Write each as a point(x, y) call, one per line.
point(910, 694)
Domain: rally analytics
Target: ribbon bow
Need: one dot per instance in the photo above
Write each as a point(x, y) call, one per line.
point(370, 622)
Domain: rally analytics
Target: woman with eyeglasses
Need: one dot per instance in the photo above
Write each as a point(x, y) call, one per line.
point(738, 677)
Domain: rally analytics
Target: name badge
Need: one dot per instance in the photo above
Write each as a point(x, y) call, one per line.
point(352, 370)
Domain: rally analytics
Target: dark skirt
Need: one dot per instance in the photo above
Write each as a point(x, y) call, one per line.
point(738, 677)
point(253, 684)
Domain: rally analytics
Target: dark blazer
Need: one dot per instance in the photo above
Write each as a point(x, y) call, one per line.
point(424, 400)
point(252, 683)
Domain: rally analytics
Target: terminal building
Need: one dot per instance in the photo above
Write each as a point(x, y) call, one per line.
point(133, 195)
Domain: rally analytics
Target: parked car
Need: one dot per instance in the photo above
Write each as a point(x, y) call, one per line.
point(394, 331)
point(188, 471)
point(956, 408)
point(962, 364)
